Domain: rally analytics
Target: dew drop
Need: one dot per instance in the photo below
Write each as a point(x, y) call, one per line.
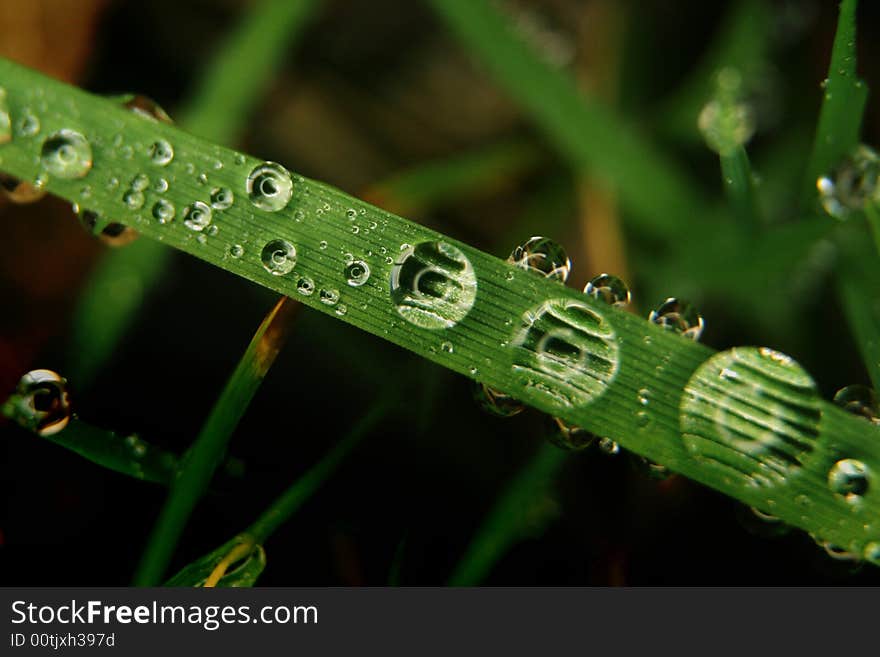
point(146, 108)
point(543, 256)
point(322, 244)
point(610, 289)
point(269, 186)
point(278, 257)
point(221, 198)
point(496, 402)
point(433, 285)
point(133, 199)
point(305, 286)
point(447, 347)
point(752, 414)
point(852, 184)
point(357, 273)
point(110, 233)
point(66, 154)
point(679, 317)
point(19, 191)
point(140, 182)
point(160, 186)
point(609, 446)
point(29, 124)
point(163, 211)
point(859, 400)
point(849, 478)
point(197, 216)
point(236, 250)
point(161, 152)
point(41, 402)
point(341, 309)
point(872, 553)
point(329, 296)
point(568, 436)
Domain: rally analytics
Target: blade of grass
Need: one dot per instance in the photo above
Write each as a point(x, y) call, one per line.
point(203, 457)
point(520, 511)
point(736, 172)
point(594, 139)
point(212, 569)
point(230, 88)
point(843, 104)
point(858, 287)
point(491, 333)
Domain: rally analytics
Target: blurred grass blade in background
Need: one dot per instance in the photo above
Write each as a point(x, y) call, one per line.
point(206, 452)
point(231, 86)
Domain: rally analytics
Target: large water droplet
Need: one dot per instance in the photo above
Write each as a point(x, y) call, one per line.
point(145, 107)
point(433, 285)
point(543, 256)
point(269, 186)
point(565, 352)
point(5, 121)
point(42, 403)
point(849, 478)
point(357, 273)
point(610, 289)
point(852, 184)
point(66, 154)
point(680, 317)
point(197, 216)
point(278, 257)
point(221, 198)
point(751, 414)
point(859, 400)
point(161, 152)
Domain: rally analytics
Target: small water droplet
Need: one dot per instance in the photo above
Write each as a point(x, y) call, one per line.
point(447, 347)
point(329, 296)
point(133, 199)
point(163, 211)
point(66, 154)
point(278, 257)
point(351, 213)
point(29, 124)
point(269, 186)
point(305, 286)
point(568, 436)
point(140, 182)
point(680, 317)
point(494, 401)
point(859, 400)
point(161, 152)
point(644, 396)
point(41, 402)
point(357, 273)
point(609, 446)
point(322, 244)
point(341, 309)
point(543, 256)
point(160, 186)
point(236, 250)
point(849, 478)
point(852, 184)
point(872, 553)
point(197, 216)
point(610, 289)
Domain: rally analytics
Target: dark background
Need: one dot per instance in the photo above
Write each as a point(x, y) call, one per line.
point(374, 86)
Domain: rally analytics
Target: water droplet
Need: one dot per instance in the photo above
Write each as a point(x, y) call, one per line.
point(140, 182)
point(543, 256)
point(160, 186)
point(236, 250)
point(278, 257)
point(566, 352)
point(5, 122)
point(610, 289)
point(161, 152)
point(433, 285)
point(849, 478)
point(134, 200)
point(146, 108)
point(680, 317)
point(341, 309)
point(448, 347)
point(568, 436)
point(351, 213)
point(41, 402)
point(496, 402)
point(19, 191)
point(163, 211)
point(852, 184)
point(644, 396)
point(752, 414)
point(136, 445)
point(197, 216)
point(859, 400)
point(357, 273)
point(110, 233)
point(66, 154)
point(872, 553)
point(329, 297)
point(609, 446)
point(269, 186)
point(29, 124)
point(305, 286)
point(221, 198)
point(239, 159)
point(322, 244)
point(212, 230)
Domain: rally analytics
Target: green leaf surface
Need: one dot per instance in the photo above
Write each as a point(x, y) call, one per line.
point(747, 422)
point(243, 571)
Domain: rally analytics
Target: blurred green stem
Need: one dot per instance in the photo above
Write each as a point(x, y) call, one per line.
point(872, 214)
point(736, 173)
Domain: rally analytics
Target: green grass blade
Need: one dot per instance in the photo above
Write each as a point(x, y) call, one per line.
point(845, 95)
point(739, 185)
point(206, 452)
point(522, 510)
point(591, 136)
point(488, 320)
point(858, 286)
point(242, 564)
point(128, 455)
point(246, 64)
point(232, 85)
